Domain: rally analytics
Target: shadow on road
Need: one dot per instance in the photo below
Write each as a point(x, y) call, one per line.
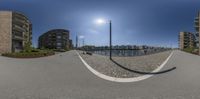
point(140, 72)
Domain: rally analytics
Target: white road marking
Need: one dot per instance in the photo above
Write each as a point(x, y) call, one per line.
point(114, 79)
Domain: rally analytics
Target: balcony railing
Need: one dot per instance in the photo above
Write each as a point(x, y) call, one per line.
point(20, 28)
point(17, 37)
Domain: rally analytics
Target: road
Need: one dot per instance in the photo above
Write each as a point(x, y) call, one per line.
point(64, 76)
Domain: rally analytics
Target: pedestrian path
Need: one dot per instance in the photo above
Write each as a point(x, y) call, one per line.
point(64, 76)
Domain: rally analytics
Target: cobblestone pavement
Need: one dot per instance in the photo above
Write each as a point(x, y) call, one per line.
point(145, 63)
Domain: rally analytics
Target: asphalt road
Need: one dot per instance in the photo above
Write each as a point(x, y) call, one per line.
point(64, 76)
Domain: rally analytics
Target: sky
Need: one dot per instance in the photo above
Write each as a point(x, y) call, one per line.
point(134, 22)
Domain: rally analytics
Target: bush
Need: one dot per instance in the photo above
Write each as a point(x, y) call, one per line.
point(31, 54)
point(27, 47)
point(35, 50)
point(188, 50)
point(191, 50)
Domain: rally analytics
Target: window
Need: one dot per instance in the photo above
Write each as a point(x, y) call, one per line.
point(58, 47)
point(58, 44)
point(58, 37)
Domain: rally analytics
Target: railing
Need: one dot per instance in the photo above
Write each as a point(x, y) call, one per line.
point(17, 37)
point(126, 52)
point(16, 27)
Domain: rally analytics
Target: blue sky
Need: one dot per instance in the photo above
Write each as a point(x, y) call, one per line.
point(135, 22)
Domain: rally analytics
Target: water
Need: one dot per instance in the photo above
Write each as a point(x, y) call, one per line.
point(124, 53)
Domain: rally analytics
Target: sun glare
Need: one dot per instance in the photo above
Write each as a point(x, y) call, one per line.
point(100, 21)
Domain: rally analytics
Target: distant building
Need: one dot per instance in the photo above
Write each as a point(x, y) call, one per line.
point(71, 46)
point(15, 31)
point(55, 39)
point(76, 41)
point(197, 28)
point(186, 40)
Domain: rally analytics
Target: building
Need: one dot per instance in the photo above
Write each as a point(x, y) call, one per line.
point(186, 40)
point(197, 28)
point(55, 39)
point(15, 31)
point(71, 46)
point(76, 41)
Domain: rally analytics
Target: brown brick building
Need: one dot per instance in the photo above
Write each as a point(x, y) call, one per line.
point(186, 40)
point(15, 31)
point(55, 39)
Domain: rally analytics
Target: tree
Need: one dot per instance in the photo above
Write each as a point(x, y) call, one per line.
point(27, 47)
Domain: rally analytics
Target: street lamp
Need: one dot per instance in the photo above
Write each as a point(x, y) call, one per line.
point(102, 21)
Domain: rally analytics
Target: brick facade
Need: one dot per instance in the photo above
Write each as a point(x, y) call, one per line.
point(15, 31)
point(5, 32)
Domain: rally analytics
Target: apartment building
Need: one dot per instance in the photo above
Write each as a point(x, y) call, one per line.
point(15, 31)
point(55, 39)
point(186, 40)
point(197, 28)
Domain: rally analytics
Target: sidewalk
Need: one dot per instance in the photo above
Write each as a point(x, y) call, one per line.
point(145, 63)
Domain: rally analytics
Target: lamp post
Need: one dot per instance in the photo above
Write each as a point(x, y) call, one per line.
point(110, 40)
point(101, 21)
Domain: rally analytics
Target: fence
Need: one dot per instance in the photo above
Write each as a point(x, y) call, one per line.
point(127, 52)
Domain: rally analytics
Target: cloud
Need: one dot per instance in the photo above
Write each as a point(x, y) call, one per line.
point(81, 37)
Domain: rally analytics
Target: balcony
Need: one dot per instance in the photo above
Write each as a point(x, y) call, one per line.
point(20, 16)
point(196, 24)
point(15, 37)
point(19, 20)
point(196, 18)
point(16, 27)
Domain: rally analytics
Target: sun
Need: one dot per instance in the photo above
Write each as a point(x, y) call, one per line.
point(100, 21)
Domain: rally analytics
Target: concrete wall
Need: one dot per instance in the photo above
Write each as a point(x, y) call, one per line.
point(5, 32)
